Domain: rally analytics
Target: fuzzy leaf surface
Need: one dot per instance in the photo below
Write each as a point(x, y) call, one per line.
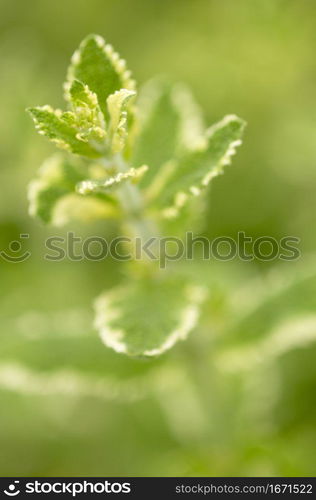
point(60, 130)
point(97, 65)
point(110, 183)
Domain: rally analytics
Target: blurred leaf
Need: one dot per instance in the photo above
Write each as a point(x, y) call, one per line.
point(191, 174)
point(57, 179)
point(98, 66)
point(292, 333)
point(270, 318)
point(266, 303)
point(84, 208)
point(169, 120)
point(61, 131)
point(148, 316)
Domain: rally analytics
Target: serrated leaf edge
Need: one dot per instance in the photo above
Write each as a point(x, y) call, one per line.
point(118, 63)
point(182, 197)
point(90, 186)
point(39, 127)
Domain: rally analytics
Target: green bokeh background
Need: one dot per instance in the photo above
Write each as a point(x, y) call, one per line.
point(238, 398)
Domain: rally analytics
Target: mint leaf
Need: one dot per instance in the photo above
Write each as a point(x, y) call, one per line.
point(169, 121)
point(61, 130)
point(81, 95)
point(271, 318)
point(190, 174)
point(57, 180)
point(84, 208)
point(117, 108)
point(97, 65)
point(146, 317)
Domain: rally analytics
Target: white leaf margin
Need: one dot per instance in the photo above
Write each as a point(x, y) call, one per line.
point(119, 64)
point(114, 338)
point(182, 197)
point(91, 186)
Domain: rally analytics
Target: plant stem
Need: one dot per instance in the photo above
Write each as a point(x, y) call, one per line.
point(138, 224)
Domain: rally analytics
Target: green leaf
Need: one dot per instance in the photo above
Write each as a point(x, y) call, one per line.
point(290, 334)
point(192, 127)
point(146, 317)
point(61, 130)
point(108, 184)
point(272, 316)
point(188, 176)
point(169, 121)
point(56, 181)
point(98, 66)
point(117, 107)
point(84, 208)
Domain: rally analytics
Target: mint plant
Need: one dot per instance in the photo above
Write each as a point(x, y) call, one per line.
point(142, 162)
